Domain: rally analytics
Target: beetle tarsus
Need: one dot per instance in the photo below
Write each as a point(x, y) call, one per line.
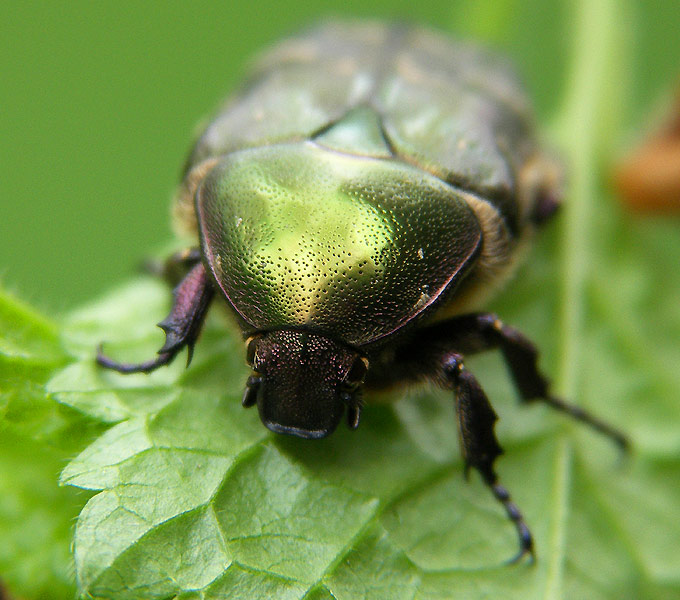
point(476, 420)
point(126, 368)
point(576, 412)
point(526, 540)
point(182, 326)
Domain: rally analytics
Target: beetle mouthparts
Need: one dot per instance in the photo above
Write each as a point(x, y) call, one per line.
point(299, 387)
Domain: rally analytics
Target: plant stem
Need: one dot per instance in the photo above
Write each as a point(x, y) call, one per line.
point(579, 128)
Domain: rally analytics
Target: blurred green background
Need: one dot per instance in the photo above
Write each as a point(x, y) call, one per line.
point(98, 102)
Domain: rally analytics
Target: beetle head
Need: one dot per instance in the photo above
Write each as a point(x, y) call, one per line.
point(303, 382)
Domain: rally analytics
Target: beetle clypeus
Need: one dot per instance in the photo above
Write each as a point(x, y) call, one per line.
point(354, 204)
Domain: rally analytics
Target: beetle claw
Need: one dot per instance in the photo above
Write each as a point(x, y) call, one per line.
point(519, 557)
point(190, 354)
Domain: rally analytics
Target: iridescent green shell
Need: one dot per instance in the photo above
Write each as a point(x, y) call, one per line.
point(299, 235)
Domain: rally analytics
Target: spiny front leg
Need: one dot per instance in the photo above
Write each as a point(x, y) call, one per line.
point(480, 448)
point(182, 326)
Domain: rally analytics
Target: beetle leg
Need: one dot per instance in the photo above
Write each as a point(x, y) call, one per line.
point(182, 326)
point(480, 448)
point(433, 357)
point(477, 332)
point(486, 331)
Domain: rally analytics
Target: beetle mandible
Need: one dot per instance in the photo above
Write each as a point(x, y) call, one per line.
point(354, 205)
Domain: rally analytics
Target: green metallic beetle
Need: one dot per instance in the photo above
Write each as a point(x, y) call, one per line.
point(354, 204)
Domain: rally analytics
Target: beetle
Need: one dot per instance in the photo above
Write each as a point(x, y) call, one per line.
point(354, 205)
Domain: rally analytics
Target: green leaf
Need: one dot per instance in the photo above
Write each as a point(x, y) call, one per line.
point(36, 520)
point(35, 516)
point(30, 352)
point(197, 499)
point(189, 496)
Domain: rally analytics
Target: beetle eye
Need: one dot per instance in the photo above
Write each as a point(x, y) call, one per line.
point(357, 373)
point(251, 347)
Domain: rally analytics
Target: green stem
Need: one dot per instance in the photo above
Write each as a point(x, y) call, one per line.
point(591, 51)
point(580, 122)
